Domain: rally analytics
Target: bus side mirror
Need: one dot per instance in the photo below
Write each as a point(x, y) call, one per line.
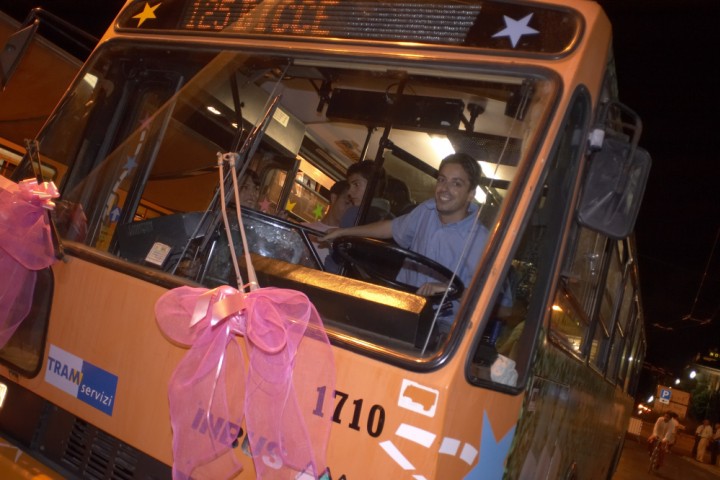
point(614, 187)
point(14, 50)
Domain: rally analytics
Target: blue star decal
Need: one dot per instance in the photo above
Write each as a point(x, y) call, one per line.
point(145, 123)
point(130, 164)
point(514, 29)
point(492, 454)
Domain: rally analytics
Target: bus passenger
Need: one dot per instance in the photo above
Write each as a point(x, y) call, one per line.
point(398, 194)
point(339, 203)
point(358, 176)
point(438, 229)
point(250, 189)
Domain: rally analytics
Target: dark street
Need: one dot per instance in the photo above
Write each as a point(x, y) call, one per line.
point(677, 466)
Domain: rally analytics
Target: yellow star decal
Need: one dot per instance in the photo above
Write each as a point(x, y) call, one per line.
point(290, 206)
point(147, 13)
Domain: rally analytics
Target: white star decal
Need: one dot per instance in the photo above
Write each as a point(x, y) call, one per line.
point(516, 29)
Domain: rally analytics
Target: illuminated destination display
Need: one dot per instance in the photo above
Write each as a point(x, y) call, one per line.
point(524, 28)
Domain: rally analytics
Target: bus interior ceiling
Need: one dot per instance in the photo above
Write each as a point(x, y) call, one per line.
point(343, 112)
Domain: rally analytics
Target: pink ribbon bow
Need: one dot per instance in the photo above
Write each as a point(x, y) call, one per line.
point(25, 247)
point(290, 365)
point(41, 195)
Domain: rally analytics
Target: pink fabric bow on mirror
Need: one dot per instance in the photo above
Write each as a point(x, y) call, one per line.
point(290, 363)
point(25, 247)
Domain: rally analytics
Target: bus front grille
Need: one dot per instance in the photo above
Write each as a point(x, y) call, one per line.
point(72, 447)
point(97, 455)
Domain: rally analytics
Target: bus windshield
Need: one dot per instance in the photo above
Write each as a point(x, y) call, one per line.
point(136, 145)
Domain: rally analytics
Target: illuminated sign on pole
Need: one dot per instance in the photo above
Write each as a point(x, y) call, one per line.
point(665, 395)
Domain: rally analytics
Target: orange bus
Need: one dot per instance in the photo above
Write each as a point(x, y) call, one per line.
point(536, 376)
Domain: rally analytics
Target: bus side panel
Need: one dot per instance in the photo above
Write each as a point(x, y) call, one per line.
point(106, 361)
point(485, 423)
point(391, 423)
point(572, 416)
point(387, 422)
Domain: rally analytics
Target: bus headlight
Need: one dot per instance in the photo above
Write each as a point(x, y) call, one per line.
point(3, 392)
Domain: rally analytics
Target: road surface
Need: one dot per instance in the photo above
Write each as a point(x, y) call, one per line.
point(677, 466)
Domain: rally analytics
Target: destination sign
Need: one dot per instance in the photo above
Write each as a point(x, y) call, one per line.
point(508, 27)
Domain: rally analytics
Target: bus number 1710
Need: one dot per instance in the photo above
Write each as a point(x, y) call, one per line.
point(375, 417)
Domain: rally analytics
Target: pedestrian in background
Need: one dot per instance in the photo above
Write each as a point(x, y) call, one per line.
point(715, 445)
point(697, 440)
point(706, 434)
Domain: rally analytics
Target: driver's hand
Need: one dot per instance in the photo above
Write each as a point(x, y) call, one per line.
point(331, 235)
point(431, 288)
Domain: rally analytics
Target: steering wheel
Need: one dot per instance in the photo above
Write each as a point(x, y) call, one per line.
point(379, 262)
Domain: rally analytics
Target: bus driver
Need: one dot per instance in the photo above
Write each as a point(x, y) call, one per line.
point(438, 229)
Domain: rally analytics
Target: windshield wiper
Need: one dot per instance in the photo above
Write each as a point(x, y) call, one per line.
point(212, 217)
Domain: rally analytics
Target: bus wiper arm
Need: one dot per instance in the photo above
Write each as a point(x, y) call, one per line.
point(212, 218)
point(33, 150)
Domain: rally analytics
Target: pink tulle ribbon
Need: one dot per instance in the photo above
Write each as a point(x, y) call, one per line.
point(25, 247)
point(38, 194)
point(290, 372)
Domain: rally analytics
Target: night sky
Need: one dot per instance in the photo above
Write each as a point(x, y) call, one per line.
point(665, 53)
point(667, 62)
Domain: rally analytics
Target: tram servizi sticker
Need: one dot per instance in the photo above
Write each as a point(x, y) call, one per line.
point(81, 379)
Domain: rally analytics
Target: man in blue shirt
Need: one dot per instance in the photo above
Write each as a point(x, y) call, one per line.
point(443, 228)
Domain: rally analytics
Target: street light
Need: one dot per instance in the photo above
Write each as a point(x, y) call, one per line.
point(693, 373)
point(677, 381)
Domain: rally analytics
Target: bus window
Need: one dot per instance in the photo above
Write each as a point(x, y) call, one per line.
point(511, 330)
point(306, 202)
point(10, 156)
point(636, 352)
point(272, 188)
point(573, 308)
point(619, 348)
point(603, 328)
point(148, 185)
point(23, 351)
